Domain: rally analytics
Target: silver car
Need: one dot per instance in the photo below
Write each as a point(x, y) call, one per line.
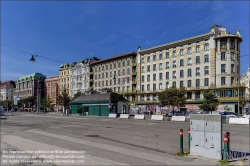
point(230, 114)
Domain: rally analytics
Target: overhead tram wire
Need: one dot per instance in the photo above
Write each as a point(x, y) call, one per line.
point(31, 53)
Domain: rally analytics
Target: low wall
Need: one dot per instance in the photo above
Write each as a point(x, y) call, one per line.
point(112, 115)
point(178, 118)
point(157, 117)
point(139, 116)
point(124, 116)
point(239, 121)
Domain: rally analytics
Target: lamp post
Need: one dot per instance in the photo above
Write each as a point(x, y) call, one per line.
point(38, 95)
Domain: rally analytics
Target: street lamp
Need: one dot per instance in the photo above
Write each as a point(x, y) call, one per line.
point(37, 94)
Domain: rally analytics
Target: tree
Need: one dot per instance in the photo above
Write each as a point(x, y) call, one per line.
point(7, 103)
point(64, 99)
point(46, 102)
point(210, 101)
point(29, 101)
point(173, 97)
point(77, 95)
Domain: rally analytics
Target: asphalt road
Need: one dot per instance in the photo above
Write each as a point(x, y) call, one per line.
point(107, 141)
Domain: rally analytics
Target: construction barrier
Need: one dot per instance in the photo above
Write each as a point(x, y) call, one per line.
point(239, 121)
point(157, 117)
point(139, 116)
point(178, 118)
point(124, 116)
point(112, 115)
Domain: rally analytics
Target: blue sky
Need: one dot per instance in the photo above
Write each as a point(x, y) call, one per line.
point(72, 31)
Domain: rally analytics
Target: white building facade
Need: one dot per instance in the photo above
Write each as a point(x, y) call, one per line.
point(7, 90)
point(245, 79)
point(79, 76)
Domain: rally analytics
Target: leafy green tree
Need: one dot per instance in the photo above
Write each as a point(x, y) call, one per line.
point(210, 101)
point(46, 102)
point(8, 103)
point(64, 99)
point(29, 101)
point(77, 95)
point(173, 97)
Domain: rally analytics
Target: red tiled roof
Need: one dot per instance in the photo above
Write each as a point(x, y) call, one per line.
point(113, 58)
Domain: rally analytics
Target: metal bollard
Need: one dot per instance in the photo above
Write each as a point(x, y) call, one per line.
point(189, 139)
point(181, 141)
point(225, 157)
point(228, 145)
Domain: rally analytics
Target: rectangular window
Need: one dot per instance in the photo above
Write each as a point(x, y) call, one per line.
point(142, 60)
point(223, 43)
point(181, 73)
point(148, 68)
point(142, 87)
point(119, 64)
point(110, 66)
point(114, 65)
point(128, 79)
point(197, 71)
point(206, 47)
point(223, 56)
point(174, 53)
point(181, 83)
point(181, 52)
point(160, 76)
point(198, 49)
point(189, 72)
point(197, 95)
point(206, 82)
point(148, 58)
point(174, 84)
point(154, 86)
point(154, 77)
point(148, 86)
point(142, 97)
point(189, 50)
point(118, 72)
point(160, 56)
point(160, 66)
point(174, 74)
point(189, 95)
point(128, 63)
point(167, 65)
point(223, 68)
point(107, 74)
point(148, 97)
point(142, 78)
point(232, 80)
point(123, 64)
point(189, 61)
point(167, 85)
point(181, 62)
point(148, 78)
point(232, 56)
point(106, 82)
point(223, 80)
point(206, 70)
point(160, 86)
point(154, 58)
point(206, 58)
point(110, 82)
point(189, 83)
point(154, 67)
point(197, 82)
point(142, 69)
point(197, 59)
point(167, 75)
point(174, 63)
point(128, 71)
point(232, 68)
point(167, 55)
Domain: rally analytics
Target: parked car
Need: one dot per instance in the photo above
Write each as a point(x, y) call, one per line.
point(169, 114)
point(230, 114)
point(247, 115)
point(147, 112)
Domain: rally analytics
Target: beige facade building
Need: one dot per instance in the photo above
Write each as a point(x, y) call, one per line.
point(7, 89)
point(245, 79)
point(117, 73)
point(64, 78)
point(52, 89)
point(207, 61)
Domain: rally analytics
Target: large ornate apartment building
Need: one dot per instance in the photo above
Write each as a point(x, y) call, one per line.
point(7, 89)
point(30, 85)
point(52, 89)
point(117, 73)
point(64, 75)
point(79, 75)
point(207, 61)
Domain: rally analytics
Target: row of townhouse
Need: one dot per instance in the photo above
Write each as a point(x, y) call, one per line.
point(206, 61)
